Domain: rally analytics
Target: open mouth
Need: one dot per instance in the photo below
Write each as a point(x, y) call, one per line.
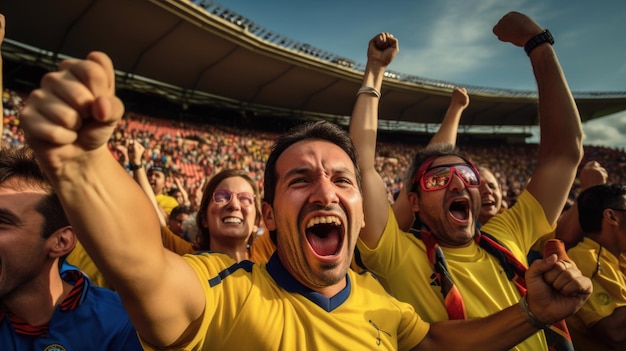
point(459, 209)
point(325, 235)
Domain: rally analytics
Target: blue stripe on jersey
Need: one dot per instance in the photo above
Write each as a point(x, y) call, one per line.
point(246, 265)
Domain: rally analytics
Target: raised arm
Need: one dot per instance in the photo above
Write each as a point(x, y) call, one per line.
point(363, 128)
point(181, 187)
point(135, 158)
point(568, 228)
point(560, 148)
point(68, 122)
point(448, 130)
point(447, 134)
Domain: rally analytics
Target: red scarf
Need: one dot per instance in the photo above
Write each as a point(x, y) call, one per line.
point(557, 335)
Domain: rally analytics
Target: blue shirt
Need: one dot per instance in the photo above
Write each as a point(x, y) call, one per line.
point(90, 318)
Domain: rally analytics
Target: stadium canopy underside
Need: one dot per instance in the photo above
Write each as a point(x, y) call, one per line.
point(197, 53)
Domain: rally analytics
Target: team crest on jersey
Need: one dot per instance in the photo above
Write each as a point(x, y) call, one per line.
point(55, 347)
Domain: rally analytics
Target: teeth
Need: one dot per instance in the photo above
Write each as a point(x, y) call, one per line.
point(323, 220)
point(232, 220)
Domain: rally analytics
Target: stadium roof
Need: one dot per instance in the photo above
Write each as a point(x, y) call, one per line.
point(194, 53)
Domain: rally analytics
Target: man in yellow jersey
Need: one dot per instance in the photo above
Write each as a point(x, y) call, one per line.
point(449, 269)
point(598, 325)
point(304, 297)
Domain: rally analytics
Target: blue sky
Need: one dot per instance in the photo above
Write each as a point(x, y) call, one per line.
point(451, 40)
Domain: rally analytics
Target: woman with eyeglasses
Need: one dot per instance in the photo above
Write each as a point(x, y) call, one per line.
point(228, 220)
point(229, 215)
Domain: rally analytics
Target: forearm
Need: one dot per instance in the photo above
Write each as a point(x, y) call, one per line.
point(500, 331)
point(560, 148)
point(110, 214)
point(560, 126)
point(447, 133)
point(141, 177)
point(363, 129)
point(364, 120)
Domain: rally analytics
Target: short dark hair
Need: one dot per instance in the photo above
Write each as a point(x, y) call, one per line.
point(180, 209)
point(158, 168)
point(594, 200)
point(21, 163)
point(322, 130)
point(421, 156)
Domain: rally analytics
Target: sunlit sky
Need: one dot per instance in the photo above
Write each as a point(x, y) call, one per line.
point(452, 40)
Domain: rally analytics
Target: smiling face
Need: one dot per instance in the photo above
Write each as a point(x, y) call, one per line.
point(490, 194)
point(235, 220)
point(450, 213)
point(317, 213)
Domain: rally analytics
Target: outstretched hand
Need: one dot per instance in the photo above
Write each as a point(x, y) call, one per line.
point(74, 111)
point(382, 49)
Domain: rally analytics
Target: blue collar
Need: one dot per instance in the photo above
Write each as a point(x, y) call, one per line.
point(285, 280)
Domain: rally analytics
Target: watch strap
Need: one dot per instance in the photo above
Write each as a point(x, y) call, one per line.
point(133, 167)
point(543, 37)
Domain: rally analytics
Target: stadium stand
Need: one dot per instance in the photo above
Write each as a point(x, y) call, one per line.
point(194, 149)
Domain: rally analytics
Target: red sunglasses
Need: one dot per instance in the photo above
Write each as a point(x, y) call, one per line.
point(440, 176)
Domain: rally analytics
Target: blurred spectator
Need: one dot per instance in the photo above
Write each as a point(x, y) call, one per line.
point(194, 151)
point(176, 219)
point(157, 176)
point(599, 324)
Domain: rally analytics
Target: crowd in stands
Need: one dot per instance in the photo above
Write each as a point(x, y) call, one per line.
point(312, 189)
point(192, 151)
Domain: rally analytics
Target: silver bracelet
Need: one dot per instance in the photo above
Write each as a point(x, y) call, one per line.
point(369, 90)
point(530, 316)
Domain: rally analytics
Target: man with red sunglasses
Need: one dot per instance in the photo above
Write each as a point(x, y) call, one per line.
point(448, 268)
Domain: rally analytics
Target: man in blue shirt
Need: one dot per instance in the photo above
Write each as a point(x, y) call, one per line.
point(42, 308)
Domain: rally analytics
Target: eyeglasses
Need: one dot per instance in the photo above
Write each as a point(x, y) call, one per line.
point(619, 209)
point(223, 197)
point(440, 176)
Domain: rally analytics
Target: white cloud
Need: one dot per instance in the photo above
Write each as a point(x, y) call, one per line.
point(609, 131)
point(460, 47)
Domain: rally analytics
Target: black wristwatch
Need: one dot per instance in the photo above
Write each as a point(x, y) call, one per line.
point(543, 37)
point(133, 167)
